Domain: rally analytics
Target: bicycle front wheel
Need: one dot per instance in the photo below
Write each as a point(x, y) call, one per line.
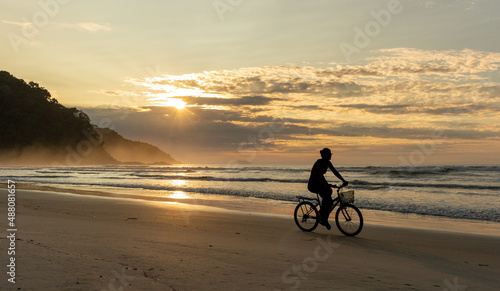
point(349, 220)
point(306, 216)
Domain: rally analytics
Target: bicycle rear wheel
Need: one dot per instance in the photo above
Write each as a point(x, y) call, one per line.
point(349, 220)
point(306, 216)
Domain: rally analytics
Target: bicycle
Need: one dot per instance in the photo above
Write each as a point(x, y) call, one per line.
point(348, 218)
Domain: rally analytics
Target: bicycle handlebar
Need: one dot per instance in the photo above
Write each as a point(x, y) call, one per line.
point(338, 186)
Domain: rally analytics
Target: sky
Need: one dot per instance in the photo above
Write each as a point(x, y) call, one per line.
point(402, 83)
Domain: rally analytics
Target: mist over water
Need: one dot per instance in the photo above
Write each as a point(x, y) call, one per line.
point(43, 155)
point(450, 191)
point(31, 155)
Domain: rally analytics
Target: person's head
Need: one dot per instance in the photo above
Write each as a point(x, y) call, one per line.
point(326, 154)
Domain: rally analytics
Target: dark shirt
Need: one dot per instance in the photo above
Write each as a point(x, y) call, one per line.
point(317, 180)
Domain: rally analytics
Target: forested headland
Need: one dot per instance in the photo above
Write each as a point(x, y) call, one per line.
point(35, 129)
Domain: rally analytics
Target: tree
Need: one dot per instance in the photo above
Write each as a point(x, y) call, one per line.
point(30, 116)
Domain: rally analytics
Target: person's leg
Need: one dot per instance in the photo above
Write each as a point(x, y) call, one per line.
point(326, 205)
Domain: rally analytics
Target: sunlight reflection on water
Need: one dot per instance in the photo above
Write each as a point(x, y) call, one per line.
point(178, 183)
point(179, 195)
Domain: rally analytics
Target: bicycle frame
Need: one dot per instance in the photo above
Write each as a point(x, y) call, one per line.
point(317, 200)
point(348, 218)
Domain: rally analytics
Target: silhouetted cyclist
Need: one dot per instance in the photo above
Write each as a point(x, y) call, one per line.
point(318, 184)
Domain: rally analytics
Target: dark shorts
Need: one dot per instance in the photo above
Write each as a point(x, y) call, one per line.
point(322, 190)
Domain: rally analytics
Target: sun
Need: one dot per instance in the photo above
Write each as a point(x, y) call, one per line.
point(177, 103)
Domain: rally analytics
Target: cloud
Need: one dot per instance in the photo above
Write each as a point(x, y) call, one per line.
point(21, 24)
point(465, 4)
point(390, 70)
point(116, 93)
point(413, 133)
point(410, 61)
point(398, 95)
point(93, 27)
point(111, 93)
point(412, 109)
point(239, 101)
point(225, 130)
point(86, 26)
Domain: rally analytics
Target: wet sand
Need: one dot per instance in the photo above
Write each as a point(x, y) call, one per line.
point(81, 242)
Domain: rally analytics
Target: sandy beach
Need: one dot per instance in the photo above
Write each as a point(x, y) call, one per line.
point(81, 242)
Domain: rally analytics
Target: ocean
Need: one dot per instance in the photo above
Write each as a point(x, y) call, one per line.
point(461, 192)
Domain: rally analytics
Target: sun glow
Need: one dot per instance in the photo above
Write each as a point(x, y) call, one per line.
point(169, 102)
point(179, 195)
point(177, 103)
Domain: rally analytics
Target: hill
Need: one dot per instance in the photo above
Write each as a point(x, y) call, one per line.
point(37, 130)
point(128, 151)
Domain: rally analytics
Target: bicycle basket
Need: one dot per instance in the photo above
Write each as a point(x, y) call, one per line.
point(347, 196)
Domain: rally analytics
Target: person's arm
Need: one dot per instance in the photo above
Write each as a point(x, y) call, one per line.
point(337, 174)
